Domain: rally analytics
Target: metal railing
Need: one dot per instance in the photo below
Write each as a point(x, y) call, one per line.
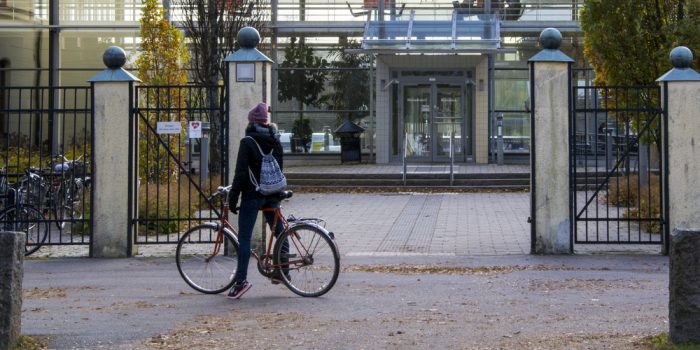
point(618, 190)
point(405, 150)
point(176, 173)
point(100, 12)
point(45, 146)
point(404, 162)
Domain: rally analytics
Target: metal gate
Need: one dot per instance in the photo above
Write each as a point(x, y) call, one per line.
point(180, 157)
point(45, 162)
point(619, 185)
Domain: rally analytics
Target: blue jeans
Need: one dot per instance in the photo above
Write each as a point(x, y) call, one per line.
point(247, 215)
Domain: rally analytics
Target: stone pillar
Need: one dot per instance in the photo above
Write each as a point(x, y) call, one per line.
point(249, 82)
point(550, 86)
point(11, 273)
point(681, 88)
point(112, 99)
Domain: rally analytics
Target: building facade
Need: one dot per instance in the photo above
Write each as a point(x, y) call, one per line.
point(441, 73)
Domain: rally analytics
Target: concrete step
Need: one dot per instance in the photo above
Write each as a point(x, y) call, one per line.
point(423, 181)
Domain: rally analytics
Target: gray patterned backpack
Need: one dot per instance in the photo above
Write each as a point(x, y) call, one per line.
point(271, 178)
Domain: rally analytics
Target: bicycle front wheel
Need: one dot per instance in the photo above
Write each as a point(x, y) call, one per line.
point(200, 264)
point(22, 218)
point(308, 259)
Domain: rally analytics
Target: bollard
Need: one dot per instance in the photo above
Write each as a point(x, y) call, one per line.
point(11, 273)
point(499, 141)
point(684, 287)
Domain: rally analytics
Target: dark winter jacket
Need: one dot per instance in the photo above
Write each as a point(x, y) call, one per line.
point(249, 156)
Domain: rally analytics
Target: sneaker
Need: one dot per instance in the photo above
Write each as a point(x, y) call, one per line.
point(239, 289)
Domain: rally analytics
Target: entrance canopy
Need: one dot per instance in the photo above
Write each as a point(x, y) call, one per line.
point(464, 33)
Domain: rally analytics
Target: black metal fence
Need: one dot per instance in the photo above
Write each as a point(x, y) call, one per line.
point(618, 191)
point(182, 157)
point(45, 163)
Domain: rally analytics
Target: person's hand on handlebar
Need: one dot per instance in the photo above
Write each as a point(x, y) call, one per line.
point(233, 201)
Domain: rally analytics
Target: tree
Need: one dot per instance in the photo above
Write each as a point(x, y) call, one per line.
point(350, 83)
point(211, 27)
point(163, 54)
point(161, 63)
point(627, 42)
point(301, 78)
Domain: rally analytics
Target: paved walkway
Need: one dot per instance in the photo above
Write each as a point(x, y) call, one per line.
point(410, 224)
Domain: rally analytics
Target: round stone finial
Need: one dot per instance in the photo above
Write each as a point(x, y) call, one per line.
point(248, 37)
point(550, 38)
point(114, 57)
point(681, 57)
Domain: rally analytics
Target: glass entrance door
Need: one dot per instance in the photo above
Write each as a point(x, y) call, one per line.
point(433, 119)
point(448, 120)
point(417, 109)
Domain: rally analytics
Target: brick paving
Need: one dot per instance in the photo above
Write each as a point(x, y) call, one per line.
point(377, 224)
point(408, 224)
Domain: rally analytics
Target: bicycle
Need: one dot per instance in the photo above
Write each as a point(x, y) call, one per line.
point(58, 189)
point(308, 264)
point(20, 217)
point(71, 190)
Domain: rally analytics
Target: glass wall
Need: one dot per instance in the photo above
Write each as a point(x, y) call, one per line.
point(512, 100)
point(313, 101)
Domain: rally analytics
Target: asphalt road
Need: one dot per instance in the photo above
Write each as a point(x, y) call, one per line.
point(441, 302)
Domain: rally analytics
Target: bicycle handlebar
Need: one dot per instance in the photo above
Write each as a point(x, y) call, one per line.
point(224, 190)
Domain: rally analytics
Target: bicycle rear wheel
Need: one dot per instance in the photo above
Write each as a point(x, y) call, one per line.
point(309, 258)
point(198, 265)
point(22, 218)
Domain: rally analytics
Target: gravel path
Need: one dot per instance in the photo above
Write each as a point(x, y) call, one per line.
point(483, 302)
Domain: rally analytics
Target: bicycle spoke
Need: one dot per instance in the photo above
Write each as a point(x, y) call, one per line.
point(315, 271)
point(200, 269)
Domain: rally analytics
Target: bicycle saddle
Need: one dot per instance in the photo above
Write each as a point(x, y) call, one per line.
point(285, 194)
point(37, 170)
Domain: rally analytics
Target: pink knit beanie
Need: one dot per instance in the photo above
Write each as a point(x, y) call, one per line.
point(258, 114)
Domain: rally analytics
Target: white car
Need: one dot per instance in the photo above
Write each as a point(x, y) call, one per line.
point(286, 140)
point(318, 143)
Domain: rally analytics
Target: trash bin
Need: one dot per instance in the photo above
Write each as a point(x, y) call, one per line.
point(350, 146)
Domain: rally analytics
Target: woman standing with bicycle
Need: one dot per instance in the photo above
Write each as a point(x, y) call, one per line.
point(248, 165)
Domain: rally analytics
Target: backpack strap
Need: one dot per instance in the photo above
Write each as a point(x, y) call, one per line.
point(256, 143)
point(250, 172)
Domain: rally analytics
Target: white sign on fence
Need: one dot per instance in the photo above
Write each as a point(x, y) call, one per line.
point(169, 128)
point(195, 131)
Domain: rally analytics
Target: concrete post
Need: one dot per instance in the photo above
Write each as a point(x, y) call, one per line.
point(681, 88)
point(11, 274)
point(549, 161)
point(112, 99)
point(249, 82)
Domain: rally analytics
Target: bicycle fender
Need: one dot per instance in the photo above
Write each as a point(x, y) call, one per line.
point(328, 234)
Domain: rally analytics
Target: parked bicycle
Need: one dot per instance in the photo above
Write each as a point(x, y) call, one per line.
point(304, 255)
point(58, 190)
point(20, 217)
